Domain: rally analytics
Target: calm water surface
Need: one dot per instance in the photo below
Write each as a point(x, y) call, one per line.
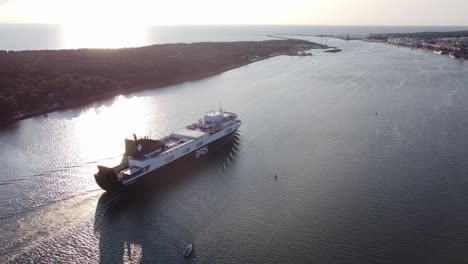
point(39, 36)
point(370, 148)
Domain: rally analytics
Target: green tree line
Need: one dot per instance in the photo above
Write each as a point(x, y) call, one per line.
point(41, 80)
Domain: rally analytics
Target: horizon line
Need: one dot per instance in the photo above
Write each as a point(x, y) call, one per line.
point(240, 25)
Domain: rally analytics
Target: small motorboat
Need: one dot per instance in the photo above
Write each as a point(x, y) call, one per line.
point(333, 50)
point(188, 250)
point(454, 55)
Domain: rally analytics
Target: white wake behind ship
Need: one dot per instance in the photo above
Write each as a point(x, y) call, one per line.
point(144, 157)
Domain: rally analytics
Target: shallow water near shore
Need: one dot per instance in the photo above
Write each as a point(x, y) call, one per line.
point(369, 145)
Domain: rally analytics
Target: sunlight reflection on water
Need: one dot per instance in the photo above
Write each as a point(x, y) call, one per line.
point(125, 115)
point(103, 36)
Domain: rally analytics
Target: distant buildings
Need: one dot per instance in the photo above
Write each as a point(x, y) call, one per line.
point(406, 41)
point(456, 46)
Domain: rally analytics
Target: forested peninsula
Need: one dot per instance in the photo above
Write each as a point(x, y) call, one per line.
point(40, 81)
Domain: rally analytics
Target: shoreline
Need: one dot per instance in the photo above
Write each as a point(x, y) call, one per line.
point(445, 43)
point(416, 48)
point(288, 47)
point(128, 91)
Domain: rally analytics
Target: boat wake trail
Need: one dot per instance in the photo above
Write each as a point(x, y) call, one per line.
point(45, 223)
point(38, 206)
point(229, 152)
point(54, 171)
point(59, 184)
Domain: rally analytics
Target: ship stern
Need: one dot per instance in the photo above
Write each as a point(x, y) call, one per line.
point(106, 178)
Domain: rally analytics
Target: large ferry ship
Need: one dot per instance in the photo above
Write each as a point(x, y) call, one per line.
point(145, 157)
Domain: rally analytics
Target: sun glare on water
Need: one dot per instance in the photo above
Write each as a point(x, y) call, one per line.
point(103, 24)
point(101, 131)
point(103, 36)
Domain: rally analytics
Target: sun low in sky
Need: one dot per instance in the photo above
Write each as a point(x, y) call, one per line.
point(236, 12)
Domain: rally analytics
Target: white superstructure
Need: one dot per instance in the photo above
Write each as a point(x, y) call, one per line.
point(194, 140)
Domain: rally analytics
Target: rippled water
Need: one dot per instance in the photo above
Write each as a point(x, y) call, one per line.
point(369, 145)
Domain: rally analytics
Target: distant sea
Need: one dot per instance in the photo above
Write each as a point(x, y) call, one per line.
point(41, 36)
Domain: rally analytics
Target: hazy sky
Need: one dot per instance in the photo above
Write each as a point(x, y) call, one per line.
point(314, 12)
